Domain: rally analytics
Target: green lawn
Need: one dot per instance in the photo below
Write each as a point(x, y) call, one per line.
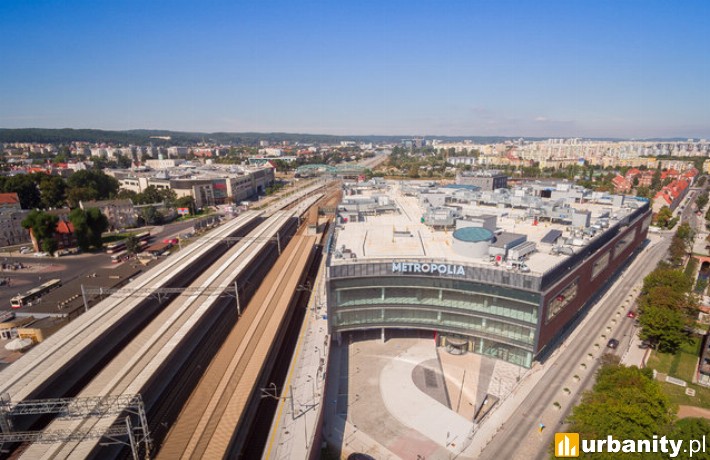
point(677, 394)
point(680, 365)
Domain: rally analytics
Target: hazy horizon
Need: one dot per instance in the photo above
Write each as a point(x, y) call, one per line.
point(555, 69)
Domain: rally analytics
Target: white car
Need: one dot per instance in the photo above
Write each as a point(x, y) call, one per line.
point(41, 254)
point(25, 250)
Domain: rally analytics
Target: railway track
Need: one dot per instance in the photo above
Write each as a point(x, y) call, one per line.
point(217, 419)
point(32, 374)
point(162, 362)
point(53, 368)
point(64, 363)
point(207, 425)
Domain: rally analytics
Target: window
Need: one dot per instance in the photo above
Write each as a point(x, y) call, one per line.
point(600, 264)
point(562, 299)
point(621, 245)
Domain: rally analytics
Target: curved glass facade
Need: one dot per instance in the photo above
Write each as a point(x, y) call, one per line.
point(500, 321)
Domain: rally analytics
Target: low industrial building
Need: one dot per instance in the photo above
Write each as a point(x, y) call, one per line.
point(503, 272)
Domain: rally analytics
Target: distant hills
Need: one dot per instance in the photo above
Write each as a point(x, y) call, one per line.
point(157, 137)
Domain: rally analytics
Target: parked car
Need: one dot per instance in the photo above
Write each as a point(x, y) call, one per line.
point(631, 314)
point(612, 343)
point(41, 254)
point(25, 250)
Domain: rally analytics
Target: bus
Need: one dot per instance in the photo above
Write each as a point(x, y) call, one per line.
point(120, 245)
point(143, 236)
point(116, 246)
point(28, 297)
point(119, 257)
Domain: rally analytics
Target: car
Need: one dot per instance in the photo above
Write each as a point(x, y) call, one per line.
point(612, 343)
point(25, 250)
point(41, 254)
point(631, 314)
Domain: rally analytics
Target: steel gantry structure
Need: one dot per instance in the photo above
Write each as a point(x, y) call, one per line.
point(128, 432)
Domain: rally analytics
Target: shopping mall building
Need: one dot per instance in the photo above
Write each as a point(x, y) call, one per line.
point(503, 273)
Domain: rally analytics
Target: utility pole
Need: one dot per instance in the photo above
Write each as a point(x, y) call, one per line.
point(236, 294)
point(83, 296)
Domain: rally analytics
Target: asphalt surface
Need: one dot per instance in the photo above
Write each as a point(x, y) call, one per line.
point(66, 268)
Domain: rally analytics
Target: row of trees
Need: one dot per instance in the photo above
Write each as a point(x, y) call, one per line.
point(628, 403)
point(667, 303)
point(44, 191)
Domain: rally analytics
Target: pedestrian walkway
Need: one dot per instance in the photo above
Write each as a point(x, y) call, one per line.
point(293, 431)
point(635, 355)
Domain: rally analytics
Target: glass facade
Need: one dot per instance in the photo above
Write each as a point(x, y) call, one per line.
point(501, 321)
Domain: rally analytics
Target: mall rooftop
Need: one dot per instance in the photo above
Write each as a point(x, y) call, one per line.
point(529, 229)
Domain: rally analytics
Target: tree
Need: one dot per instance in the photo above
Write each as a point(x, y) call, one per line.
point(643, 192)
point(677, 250)
point(656, 179)
point(77, 194)
point(124, 194)
point(42, 227)
point(132, 245)
point(690, 428)
point(664, 216)
point(52, 191)
point(666, 307)
point(81, 228)
point(26, 188)
point(685, 233)
point(103, 186)
point(625, 402)
point(98, 224)
point(123, 162)
point(89, 225)
point(151, 216)
point(664, 327)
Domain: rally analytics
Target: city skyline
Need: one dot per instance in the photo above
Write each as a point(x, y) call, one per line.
point(533, 69)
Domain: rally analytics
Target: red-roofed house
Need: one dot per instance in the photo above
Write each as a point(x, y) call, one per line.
point(9, 201)
point(672, 173)
point(646, 178)
point(64, 233)
point(632, 173)
point(671, 195)
point(621, 184)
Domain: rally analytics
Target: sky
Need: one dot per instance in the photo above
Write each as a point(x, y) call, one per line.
point(570, 68)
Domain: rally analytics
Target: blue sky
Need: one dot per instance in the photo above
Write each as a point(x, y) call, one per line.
point(519, 68)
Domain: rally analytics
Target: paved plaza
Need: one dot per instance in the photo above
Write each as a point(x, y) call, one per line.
point(406, 398)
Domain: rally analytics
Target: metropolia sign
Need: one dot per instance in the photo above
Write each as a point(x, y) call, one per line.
point(429, 268)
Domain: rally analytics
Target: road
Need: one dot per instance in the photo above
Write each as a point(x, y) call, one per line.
point(519, 437)
point(375, 161)
point(66, 268)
